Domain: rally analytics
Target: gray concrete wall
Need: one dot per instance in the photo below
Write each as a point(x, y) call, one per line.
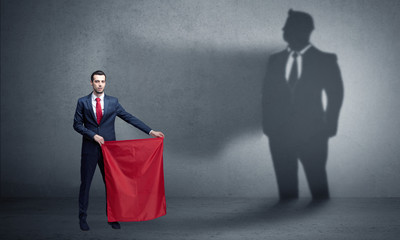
point(193, 69)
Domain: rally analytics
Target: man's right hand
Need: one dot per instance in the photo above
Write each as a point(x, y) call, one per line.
point(99, 139)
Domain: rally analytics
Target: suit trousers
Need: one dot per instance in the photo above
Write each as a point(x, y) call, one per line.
point(88, 167)
point(312, 151)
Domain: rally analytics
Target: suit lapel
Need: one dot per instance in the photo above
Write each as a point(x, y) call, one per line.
point(307, 62)
point(106, 101)
point(90, 107)
point(282, 60)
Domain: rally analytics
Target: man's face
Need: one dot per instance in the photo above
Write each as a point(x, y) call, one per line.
point(295, 34)
point(98, 83)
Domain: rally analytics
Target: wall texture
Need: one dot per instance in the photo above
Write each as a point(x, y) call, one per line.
point(193, 69)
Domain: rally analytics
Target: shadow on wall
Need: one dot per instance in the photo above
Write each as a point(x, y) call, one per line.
point(203, 96)
point(200, 96)
point(294, 118)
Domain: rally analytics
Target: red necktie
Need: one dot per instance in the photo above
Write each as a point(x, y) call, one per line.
point(99, 112)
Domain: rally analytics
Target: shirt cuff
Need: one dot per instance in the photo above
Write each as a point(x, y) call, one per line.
point(150, 132)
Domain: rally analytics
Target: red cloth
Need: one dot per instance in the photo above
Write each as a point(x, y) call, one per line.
point(134, 179)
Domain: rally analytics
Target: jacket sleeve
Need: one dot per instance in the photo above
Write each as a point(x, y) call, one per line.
point(334, 92)
point(79, 123)
point(267, 101)
point(129, 118)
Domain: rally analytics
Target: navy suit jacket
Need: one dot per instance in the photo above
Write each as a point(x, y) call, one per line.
point(85, 122)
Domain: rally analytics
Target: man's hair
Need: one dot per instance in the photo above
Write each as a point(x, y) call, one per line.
point(98, 72)
point(300, 20)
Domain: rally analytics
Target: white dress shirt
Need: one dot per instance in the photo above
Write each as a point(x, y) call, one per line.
point(94, 102)
point(290, 60)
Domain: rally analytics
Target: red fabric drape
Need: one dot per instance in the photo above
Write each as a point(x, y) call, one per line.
point(134, 179)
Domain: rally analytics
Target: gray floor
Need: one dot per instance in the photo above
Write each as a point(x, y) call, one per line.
point(209, 218)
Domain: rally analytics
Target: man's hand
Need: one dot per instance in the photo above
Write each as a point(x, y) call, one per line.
point(99, 139)
point(156, 134)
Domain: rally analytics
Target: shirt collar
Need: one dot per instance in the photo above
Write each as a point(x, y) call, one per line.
point(94, 97)
point(302, 50)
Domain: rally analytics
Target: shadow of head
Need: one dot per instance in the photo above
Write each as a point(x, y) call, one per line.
point(297, 29)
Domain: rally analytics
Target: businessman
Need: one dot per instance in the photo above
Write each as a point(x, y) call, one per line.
point(295, 119)
point(94, 119)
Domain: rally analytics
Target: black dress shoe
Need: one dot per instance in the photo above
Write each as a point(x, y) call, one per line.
point(84, 226)
point(115, 225)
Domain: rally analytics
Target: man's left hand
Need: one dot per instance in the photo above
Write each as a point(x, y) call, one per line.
point(156, 134)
